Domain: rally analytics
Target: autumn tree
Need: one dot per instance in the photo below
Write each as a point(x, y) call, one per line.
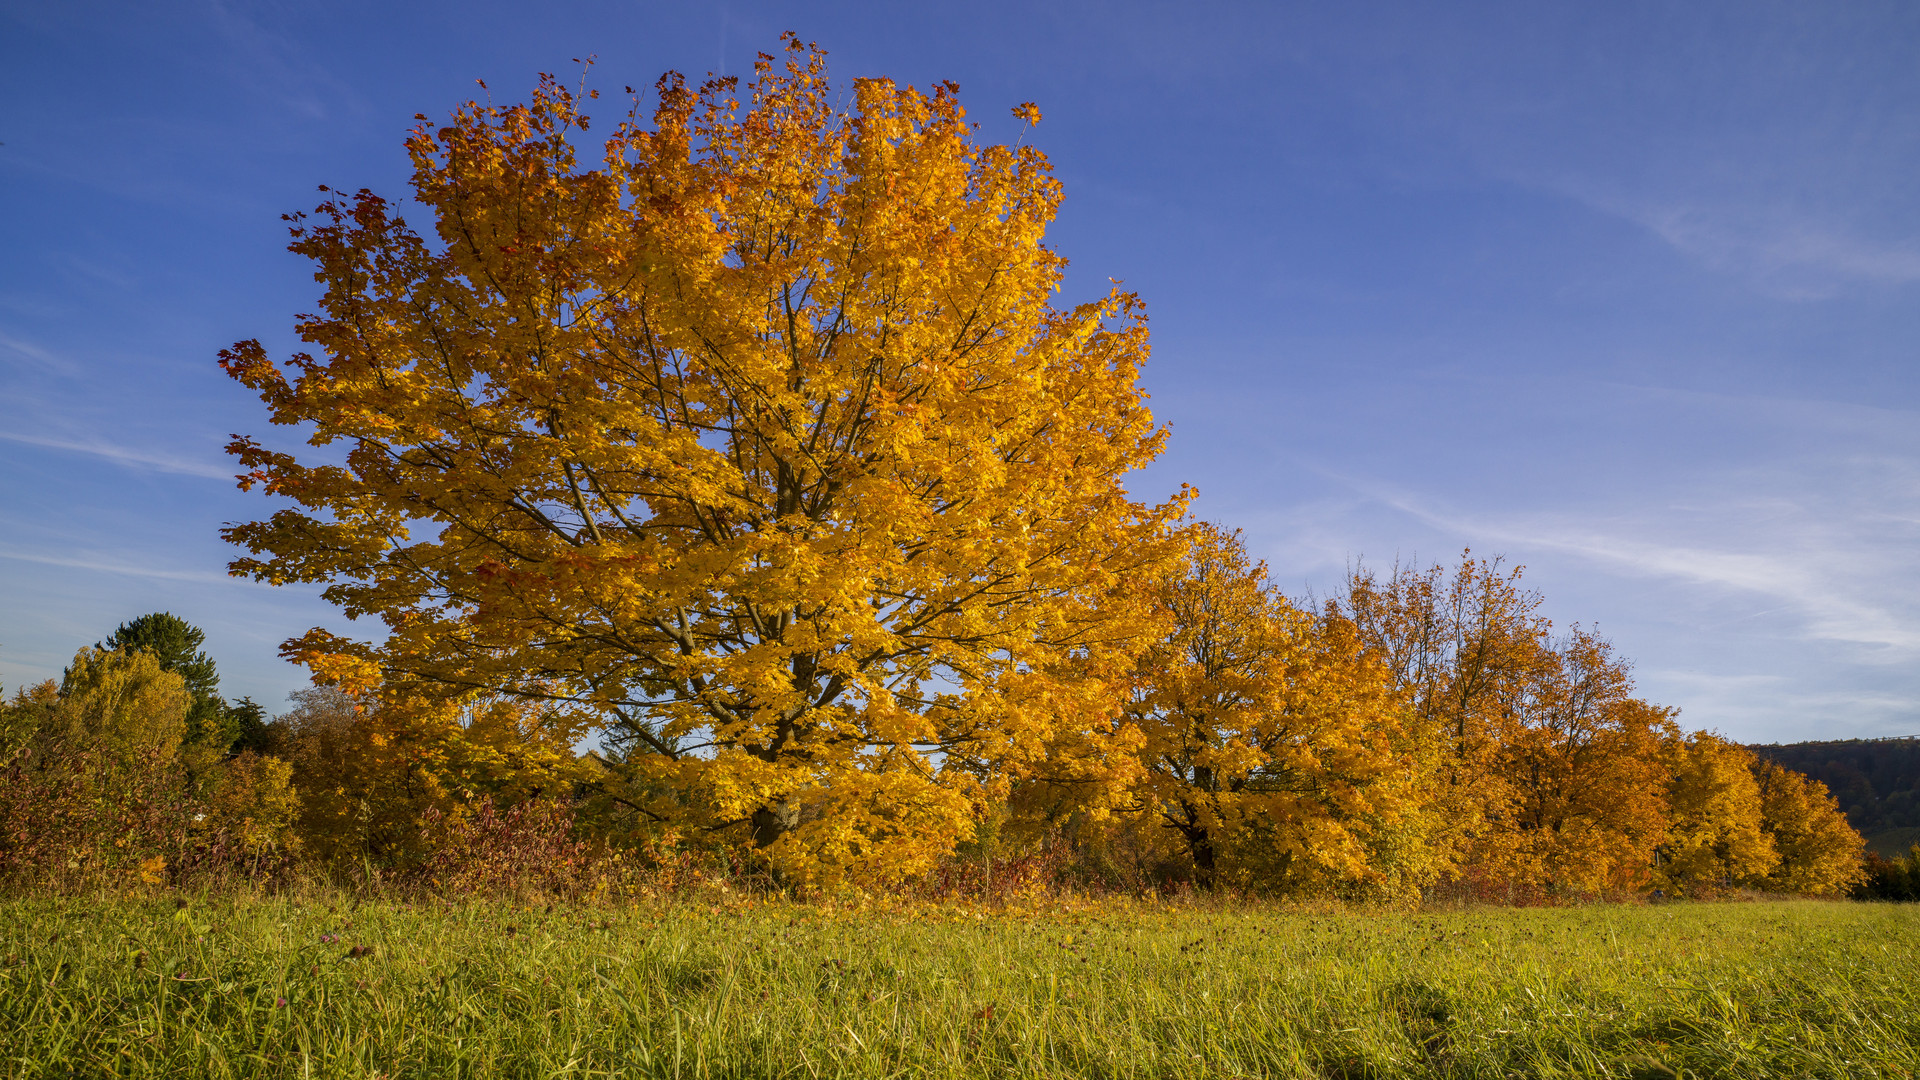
point(1556, 774)
point(213, 726)
point(760, 443)
point(1577, 775)
point(1261, 739)
point(1716, 834)
point(1459, 644)
point(1820, 852)
point(1205, 698)
point(122, 705)
point(1461, 648)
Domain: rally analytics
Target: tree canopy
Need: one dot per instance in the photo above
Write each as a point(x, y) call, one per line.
point(751, 440)
point(760, 443)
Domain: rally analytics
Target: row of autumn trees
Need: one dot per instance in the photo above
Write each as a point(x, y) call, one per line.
point(758, 447)
point(1423, 731)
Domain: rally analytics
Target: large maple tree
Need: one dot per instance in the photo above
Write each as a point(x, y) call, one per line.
point(759, 442)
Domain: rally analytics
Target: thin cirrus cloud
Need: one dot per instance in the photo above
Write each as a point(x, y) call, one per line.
point(38, 355)
point(1827, 581)
point(274, 65)
point(1771, 709)
point(115, 566)
point(143, 459)
point(1788, 253)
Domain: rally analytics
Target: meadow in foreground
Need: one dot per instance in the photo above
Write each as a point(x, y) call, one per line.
point(284, 988)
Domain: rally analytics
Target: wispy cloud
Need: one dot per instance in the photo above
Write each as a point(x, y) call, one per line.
point(1788, 252)
point(109, 566)
point(37, 354)
point(122, 455)
point(272, 63)
point(1839, 593)
point(1773, 710)
point(1780, 245)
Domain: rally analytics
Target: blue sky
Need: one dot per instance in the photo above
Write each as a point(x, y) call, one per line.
point(1629, 294)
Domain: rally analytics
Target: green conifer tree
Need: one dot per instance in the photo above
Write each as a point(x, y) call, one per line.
point(176, 643)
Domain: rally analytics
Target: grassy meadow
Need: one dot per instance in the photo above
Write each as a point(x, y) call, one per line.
point(284, 988)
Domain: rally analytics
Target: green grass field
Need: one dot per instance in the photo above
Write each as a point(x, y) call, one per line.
point(269, 988)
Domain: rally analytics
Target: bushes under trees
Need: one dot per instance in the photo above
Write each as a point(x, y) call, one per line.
point(97, 789)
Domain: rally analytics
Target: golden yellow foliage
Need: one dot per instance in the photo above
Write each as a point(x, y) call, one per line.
point(1459, 649)
point(253, 800)
point(1715, 833)
point(1554, 776)
point(1821, 854)
point(760, 443)
point(1266, 737)
point(366, 770)
point(119, 704)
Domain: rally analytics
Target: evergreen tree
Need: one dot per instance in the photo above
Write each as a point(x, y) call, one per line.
point(176, 643)
point(247, 719)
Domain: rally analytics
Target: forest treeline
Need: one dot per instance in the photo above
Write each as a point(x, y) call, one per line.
point(749, 445)
point(1877, 781)
point(1877, 784)
point(1425, 732)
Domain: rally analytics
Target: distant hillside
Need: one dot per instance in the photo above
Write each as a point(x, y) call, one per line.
point(1876, 780)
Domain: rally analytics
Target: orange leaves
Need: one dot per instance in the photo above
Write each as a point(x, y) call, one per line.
point(1557, 779)
point(1820, 853)
point(1716, 836)
point(760, 441)
point(1259, 726)
point(1577, 771)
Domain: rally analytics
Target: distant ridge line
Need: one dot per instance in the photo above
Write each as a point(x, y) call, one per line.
point(1816, 742)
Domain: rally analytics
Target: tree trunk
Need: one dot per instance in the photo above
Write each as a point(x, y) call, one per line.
point(1205, 864)
point(772, 821)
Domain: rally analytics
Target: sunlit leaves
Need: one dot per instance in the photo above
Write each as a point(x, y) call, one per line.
point(758, 439)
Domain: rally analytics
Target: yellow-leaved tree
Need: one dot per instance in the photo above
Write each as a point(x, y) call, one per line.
point(1581, 778)
point(1821, 854)
point(1461, 649)
point(1554, 776)
point(121, 705)
point(1716, 833)
point(1267, 740)
point(759, 443)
